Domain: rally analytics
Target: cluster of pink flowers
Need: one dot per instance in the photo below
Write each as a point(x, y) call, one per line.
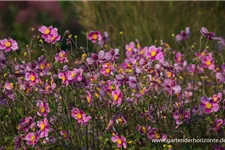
point(97, 100)
point(49, 34)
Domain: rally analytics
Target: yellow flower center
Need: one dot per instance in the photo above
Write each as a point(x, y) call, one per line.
point(219, 124)
point(42, 109)
point(53, 38)
point(63, 78)
point(42, 66)
point(208, 62)
point(94, 36)
point(79, 116)
point(32, 138)
point(169, 74)
point(62, 55)
point(143, 129)
point(208, 105)
point(88, 99)
point(215, 99)
point(153, 53)
point(42, 126)
point(115, 97)
point(157, 135)
point(47, 31)
point(32, 78)
point(7, 44)
point(119, 141)
point(120, 120)
point(129, 49)
point(107, 70)
point(73, 74)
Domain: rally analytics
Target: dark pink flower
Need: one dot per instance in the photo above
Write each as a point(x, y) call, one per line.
point(94, 36)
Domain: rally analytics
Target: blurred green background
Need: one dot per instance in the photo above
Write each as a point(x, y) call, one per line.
point(146, 21)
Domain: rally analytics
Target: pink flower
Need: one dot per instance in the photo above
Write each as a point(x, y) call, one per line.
point(63, 77)
point(61, 57)
point(49, 34)
point(107, 69)
point(218, 124)
point(130, 49)
point(208, 62)
point(43, 109)
point(80, 116)
point(184, 35)
point(94, 36)
point(117, 97)
point(31, 138)
point(153, 133)
point(32, 78)
point(65, 134)
point(44, 128)
point(8, 86)
point(74, 75)
point(25, 124)
point(8, 45)
point(155, 53)
point(209, 105)
point(89, 98)
point(46, 31)
point(120, 140)
point(217, 97)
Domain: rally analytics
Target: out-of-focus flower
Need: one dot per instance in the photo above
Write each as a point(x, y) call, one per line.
point(65, 134)
point(8, 44)
point(184, 35)
point(209, 35)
